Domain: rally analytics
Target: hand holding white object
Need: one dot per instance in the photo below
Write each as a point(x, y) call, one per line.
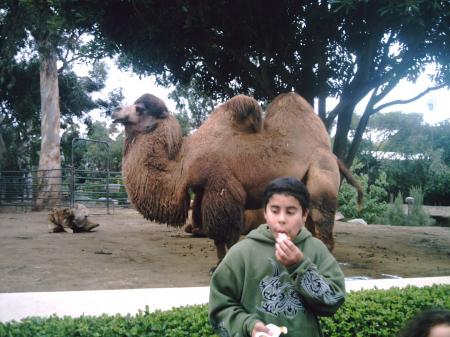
point(274, 331)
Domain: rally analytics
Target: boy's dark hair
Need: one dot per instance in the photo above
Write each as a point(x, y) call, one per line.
point(421, 324)
point(290, 186)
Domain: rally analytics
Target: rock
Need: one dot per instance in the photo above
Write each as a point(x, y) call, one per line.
point(358, 222)
point(338, 216)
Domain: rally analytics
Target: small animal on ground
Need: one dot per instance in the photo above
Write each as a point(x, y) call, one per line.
point(75, 218)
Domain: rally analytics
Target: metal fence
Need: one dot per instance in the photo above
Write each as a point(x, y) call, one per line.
point(99, 190)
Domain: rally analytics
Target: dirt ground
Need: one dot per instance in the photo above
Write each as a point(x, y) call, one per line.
point(127, 251)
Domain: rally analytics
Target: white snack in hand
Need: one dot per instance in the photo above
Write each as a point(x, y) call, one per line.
point(283, 236)
point(274, 329)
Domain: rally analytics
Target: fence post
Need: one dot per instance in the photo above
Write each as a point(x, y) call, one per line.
point(74, 140)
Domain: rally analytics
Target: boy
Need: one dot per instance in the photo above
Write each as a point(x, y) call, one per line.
point(289, 285)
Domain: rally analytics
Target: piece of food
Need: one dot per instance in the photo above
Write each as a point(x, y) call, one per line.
point(283, 236)
point(275, 330)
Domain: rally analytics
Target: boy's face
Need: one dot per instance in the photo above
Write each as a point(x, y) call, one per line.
point(441, 330)
point(284, 214)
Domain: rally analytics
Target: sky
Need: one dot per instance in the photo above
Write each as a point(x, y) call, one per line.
point(434, 106)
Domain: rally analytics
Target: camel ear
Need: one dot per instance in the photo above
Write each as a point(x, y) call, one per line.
point(245, 113)
point(152, 105)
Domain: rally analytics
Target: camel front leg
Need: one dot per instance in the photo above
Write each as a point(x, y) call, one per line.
point(221, 251)
point(223, 211)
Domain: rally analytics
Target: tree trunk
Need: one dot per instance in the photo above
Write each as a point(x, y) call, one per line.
point(322, 107)
point(357, 138)
point(49, 175)
point(345, 112)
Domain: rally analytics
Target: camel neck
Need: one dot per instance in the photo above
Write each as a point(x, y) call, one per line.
point(154, 183)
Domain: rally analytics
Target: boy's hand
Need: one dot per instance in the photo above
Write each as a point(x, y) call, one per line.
point(287, 253)
point(260, 327)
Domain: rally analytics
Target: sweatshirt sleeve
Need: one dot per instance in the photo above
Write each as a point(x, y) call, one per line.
point(320, 282)
point(226, 315)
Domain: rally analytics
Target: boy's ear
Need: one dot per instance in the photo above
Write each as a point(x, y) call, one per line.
point(305, 212)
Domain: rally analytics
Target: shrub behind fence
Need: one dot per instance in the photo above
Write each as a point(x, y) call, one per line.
point(100, 190)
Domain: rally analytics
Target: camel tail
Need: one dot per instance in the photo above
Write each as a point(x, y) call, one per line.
point(352, 181)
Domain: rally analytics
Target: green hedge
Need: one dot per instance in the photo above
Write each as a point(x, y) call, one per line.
point(365, 313)
point(382, 313)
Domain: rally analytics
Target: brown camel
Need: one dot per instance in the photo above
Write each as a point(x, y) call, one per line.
point(227, 163)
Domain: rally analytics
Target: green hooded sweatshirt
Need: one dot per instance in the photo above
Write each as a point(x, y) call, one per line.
point(250, 285)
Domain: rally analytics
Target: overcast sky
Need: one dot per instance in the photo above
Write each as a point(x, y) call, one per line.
point(434, 106)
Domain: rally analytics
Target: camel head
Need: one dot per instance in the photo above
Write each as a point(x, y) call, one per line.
point(142, 116)
point(149, 116)
point(151, 166)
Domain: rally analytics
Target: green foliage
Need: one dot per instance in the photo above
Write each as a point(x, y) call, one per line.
point(28, 28)
point(370, 313)
point(183, 119)
point(317, 48)
point(418, 216)
point(416, 154)
point(436, 185)
point(192, 103)
point(375, 196)
point(437, 189)
point(94, 188)
point(179, 322)
point(395, 213)
point(92, 155)
point(378, 313)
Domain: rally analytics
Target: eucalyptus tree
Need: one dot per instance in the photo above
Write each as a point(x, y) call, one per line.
point(345, 49)
point(40, 41)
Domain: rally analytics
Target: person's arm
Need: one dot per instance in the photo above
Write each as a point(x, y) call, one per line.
point(226, 314)
point(321, 283)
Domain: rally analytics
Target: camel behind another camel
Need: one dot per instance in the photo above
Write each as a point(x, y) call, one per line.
point(227, 163)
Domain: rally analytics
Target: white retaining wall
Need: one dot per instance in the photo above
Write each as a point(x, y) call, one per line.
point(15, 306)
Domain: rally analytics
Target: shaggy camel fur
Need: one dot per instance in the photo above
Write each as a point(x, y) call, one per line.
point(75, 218)
point(227, 163)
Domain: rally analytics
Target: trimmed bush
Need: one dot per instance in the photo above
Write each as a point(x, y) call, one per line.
point(366, 313)
point(373, 203)
point(381, 313)
point(395, 215)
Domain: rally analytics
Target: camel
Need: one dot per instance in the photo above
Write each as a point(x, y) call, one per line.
point(227, 163)
point(75, 218)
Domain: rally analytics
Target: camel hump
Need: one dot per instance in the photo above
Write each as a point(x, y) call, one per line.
point(290, 111)
point(245, 113)
point(290, 103)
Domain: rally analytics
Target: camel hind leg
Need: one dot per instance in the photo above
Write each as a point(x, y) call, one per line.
point(322, 220)
point(196, 227)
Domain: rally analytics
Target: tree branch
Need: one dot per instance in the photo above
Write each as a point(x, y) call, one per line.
point(405, 101)
point(261, 78)
point(218, 76)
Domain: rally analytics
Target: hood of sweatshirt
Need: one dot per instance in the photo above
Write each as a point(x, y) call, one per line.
point(263, 234)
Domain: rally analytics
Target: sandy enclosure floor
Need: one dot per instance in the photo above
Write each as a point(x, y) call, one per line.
point(127, 251)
